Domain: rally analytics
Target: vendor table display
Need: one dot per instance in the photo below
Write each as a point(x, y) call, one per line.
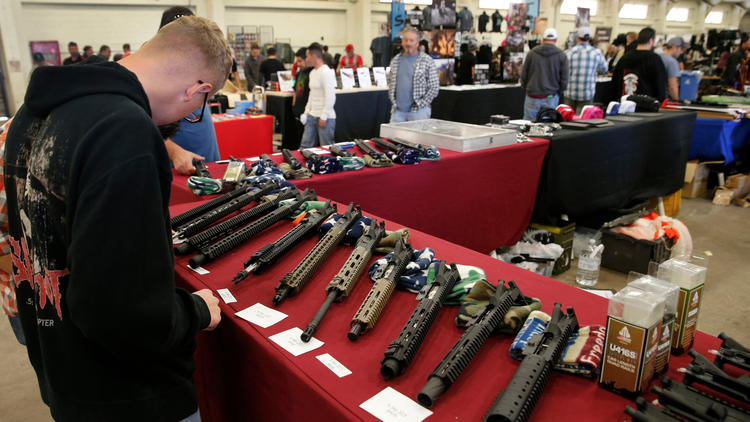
point(243, 374)
point(590, 171)
point(480, 200)
point(240, 135)
point(718, 139)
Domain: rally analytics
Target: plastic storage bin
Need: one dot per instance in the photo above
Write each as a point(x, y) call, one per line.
point(624, 254)
point(563, 236)
point(689, 81)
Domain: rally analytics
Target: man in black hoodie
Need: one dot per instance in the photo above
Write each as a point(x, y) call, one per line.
point(88, 182)
point(544, 75)
point(640, 71)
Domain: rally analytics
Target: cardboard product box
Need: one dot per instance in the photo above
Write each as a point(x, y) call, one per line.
point(634, 319)
point(736, 186)
point(691, 278)
point(742, 202)
point(696, 178)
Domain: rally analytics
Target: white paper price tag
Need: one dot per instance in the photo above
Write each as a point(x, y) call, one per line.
point(199, 270)
point(335, 366)
point(261, 315)
point(290, 341)
point(226, 296)
point(392, 406)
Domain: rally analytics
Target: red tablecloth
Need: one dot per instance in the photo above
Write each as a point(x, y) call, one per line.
point(244, 376)
point(244, 136)
point(481, 200)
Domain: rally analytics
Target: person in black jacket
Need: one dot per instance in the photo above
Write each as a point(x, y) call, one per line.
point(640, 71)
point(88, 179)
point(270, 66)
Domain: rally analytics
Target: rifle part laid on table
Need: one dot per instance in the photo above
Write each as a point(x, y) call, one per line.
point(685, 402)
point(540, 355)
point(343, 282)
point(211, 252)
point(291, 159)
point(406, 144)
point(205, 220)
point(267, 160)
point(648, 412)
point(309, 155)
point(340, 152)
point(291, 283)
point(200, 169)
point(226, 227)
point(386, 144)
point(193, 213)
point(385, 282)
point(477, 332)
point(402, 350)
point(268, 254)
point(703, 372)
point(378, 159)
point(731, 352)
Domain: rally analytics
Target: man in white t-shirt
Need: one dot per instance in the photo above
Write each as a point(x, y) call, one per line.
point(319, 118)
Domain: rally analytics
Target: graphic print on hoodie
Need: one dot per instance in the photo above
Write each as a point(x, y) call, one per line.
point(88, 179)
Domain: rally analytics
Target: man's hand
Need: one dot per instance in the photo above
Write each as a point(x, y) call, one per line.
point(181, 158)
point(213, 307)
point(322, 123)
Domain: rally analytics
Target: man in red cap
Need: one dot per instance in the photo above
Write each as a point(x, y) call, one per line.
point(350, 60)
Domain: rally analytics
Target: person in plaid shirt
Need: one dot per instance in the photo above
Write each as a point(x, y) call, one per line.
point(585, 61)
point(7, 291)
point(413, 81)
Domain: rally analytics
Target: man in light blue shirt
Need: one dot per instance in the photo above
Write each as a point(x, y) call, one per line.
point(670, 52)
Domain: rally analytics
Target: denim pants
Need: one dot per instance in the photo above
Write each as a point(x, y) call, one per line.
point(532, 106)
point(423, 113)
point(195, 417)
point(313, 135)
point(15, 324)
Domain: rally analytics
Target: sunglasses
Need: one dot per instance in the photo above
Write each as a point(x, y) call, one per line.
point(194, 118)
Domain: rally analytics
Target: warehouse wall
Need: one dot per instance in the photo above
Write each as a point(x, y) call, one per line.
point(332, 22)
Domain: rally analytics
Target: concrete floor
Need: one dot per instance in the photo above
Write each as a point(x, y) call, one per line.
point(721, 231)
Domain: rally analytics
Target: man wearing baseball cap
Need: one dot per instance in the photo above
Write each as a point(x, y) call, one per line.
point(544, 76)
point(670, 52)
point(585, 62)
point(350, 60)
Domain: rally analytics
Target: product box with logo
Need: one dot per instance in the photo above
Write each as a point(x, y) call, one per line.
point(691, 278)
point(671, 293)
point(634, 318)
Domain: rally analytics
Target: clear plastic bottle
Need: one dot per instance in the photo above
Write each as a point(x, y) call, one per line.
point(588, 264)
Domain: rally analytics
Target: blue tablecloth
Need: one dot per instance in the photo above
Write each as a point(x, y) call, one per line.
point(715, 139)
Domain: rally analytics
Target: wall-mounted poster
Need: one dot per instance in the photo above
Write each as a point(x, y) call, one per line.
point(397, 17)
point(445, 71)
point(583, 17)
point(49, 49)
point(603, 33)
point(444, 13)
point(517, 15)
point(443, 42)
point(514, 40)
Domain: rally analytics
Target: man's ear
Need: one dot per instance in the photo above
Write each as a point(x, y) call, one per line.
point(198, 88)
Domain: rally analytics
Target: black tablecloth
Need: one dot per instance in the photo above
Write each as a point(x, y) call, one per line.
point(603, 93)
point(589, 172)
point(360, 114)
point(281, 108)
point(477, 105)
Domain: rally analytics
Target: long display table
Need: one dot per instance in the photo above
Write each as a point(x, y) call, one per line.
point(242, 375)
point(481, 200)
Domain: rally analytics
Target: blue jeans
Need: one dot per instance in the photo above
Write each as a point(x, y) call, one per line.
point(15, 324)
point(313, 135)
point(423, 113)
point(195, 417)
point(532, 106)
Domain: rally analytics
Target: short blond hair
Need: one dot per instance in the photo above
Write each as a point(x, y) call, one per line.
point(199, 36)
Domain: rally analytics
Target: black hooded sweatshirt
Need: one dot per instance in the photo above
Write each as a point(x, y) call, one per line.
point(88, 182)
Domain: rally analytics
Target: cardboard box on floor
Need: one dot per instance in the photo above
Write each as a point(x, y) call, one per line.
point(696, 178)
point(737, 186)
